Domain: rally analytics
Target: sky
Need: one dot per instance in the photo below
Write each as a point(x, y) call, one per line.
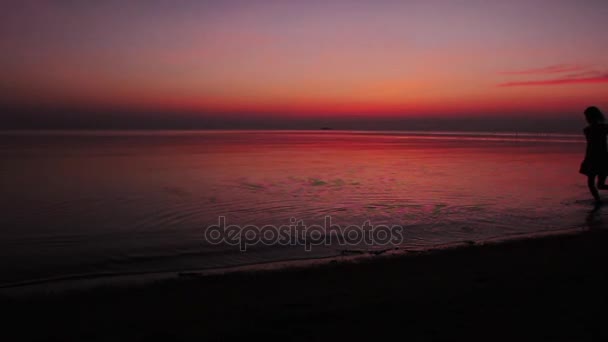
point(383, 64)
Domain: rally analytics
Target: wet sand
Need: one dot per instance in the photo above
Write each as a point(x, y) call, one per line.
point(552, 288)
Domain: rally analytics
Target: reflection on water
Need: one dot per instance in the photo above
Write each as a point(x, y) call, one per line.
point(108, 202)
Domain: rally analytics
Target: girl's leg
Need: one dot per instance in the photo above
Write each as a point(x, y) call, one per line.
point(601, 182)
point(592, 188)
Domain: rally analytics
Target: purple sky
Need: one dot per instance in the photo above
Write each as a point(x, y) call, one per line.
point(302, 64)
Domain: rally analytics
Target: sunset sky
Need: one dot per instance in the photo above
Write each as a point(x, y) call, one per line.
point(279, 63)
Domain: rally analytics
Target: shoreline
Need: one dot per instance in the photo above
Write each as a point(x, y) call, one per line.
point(552, 287)
point(79, 282)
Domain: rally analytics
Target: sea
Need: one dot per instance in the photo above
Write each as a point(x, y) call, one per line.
point(98, 204)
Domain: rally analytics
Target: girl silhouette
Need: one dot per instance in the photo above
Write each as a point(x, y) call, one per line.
point(595, 163)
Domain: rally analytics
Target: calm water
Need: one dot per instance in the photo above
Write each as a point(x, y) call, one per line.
point(94, 203)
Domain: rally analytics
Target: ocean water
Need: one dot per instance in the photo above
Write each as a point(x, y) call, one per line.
point(92, 204)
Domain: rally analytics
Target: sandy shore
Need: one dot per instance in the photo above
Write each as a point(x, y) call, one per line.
point(551, 288)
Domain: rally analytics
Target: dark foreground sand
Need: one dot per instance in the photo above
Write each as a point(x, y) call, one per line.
point(552, 288)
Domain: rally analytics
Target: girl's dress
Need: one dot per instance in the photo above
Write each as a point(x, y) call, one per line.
point(596, 155)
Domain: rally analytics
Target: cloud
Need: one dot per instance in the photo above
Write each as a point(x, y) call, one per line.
point(564, 74)
point(586, 74)
point(551, 69)
point(603, 78)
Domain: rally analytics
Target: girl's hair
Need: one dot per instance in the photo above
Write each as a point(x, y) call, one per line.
point(594, 115)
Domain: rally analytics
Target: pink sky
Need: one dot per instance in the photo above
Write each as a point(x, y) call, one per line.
point(307, 58)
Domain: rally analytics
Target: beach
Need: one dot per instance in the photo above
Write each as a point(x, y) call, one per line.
point(496, 239)
point(549, 288)
point(303, 170)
